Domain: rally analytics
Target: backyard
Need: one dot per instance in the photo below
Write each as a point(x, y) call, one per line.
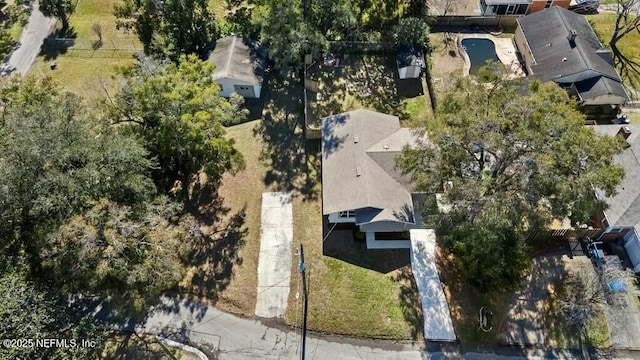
point(350, 81)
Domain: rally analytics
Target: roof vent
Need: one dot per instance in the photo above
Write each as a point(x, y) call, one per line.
point(358, 171)
point(564, 59)
point(572, 35)
point(385, 146)
point(356, 138)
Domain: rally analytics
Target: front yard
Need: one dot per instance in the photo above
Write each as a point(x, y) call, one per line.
point(345, 297)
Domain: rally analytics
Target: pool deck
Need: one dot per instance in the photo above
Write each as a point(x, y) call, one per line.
point(504, 49)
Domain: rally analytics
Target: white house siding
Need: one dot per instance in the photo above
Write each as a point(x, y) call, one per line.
point(335, 218)
point(387, 226)
point(632, 246)
point(402, 73)
point(409, 72)
point(228, 86)
point(372, 243)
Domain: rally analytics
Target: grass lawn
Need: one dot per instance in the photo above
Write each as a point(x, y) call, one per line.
point(344, 298)
point(235, 282)
point(81, 68)
point(465, 302)
point(604, 24)
point(365, 80)
point(445, 61)
point(559, 334)
point(348, 296)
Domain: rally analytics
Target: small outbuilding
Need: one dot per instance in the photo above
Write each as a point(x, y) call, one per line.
point(410, 62)
point(240, 66)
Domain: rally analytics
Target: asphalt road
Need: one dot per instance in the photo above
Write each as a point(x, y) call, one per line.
point(37, 29)
point(225, 336)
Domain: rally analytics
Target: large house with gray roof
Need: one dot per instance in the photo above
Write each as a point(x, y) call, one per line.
point(360, 182)
point(559, 45)
point(621, 220)
point(240, 66)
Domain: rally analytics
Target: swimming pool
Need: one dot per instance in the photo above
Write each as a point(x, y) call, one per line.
point(479, 51)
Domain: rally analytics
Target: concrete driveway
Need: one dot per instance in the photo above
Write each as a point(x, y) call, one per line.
point(274, 264)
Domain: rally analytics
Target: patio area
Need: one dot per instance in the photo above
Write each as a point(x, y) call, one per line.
point(504, 49)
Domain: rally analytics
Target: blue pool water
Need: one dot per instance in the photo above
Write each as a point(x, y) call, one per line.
point(479, 51)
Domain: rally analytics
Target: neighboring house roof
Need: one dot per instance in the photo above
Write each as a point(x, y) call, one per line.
point(409, 56)
point(239, 58)
point(358, 167)
point(560, 59)
point(624, 206)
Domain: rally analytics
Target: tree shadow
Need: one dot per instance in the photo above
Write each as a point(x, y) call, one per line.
point(410, 302)
point(340, 243)
point(294, 162)
point(58, 43)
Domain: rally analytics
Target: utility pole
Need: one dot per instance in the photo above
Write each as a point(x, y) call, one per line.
point(304, 293)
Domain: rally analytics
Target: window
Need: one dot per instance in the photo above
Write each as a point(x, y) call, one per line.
point(348, 214)
point(548, 4)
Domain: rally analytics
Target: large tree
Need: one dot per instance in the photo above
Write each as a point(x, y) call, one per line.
point(169, 28)
point(178, 112)
point(287, 34)
point(121, 254)
point(29, 311)
point(507, 165)
point(60, 9)
point(55, 159)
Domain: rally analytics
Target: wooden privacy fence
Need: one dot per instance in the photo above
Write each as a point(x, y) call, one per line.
point(563, 235)
point(461, 20)
point(360, 47)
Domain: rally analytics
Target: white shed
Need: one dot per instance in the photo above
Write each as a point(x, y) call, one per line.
point(410, 62)
point(240, 64)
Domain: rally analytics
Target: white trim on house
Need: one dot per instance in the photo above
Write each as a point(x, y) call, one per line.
point(348, 216)
point(372, 243)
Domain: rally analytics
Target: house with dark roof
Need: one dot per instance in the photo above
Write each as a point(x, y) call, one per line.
point(559, 45)
point(240, 66)
point(360, 182)
point(621, 220)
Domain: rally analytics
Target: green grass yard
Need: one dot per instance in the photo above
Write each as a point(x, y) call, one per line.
point(80, 68)
point(604, 24)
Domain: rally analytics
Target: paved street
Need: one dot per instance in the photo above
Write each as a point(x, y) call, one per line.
point(33, 35)
point(232, 337)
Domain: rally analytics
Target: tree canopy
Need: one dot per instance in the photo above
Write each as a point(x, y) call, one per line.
point(508, 165)
point(31, 311)
point(60, 9)
point(125, 255)
point(55, 160)
point(411, 31)
point(169, 28)
point(178, 112)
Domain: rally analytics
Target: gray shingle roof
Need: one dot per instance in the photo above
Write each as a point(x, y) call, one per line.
point(238, 58)
point(624, 206)
point(561, 60)
point(358, 166)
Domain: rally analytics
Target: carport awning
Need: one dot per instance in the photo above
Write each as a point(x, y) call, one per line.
point(435, 309)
